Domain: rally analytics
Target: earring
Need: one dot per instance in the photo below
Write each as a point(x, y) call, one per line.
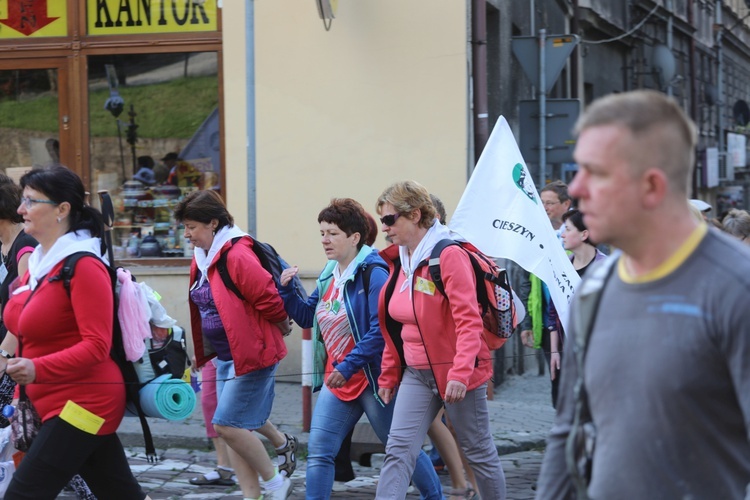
point(59, 219)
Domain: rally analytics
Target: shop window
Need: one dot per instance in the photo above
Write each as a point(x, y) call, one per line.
point(28, 120)
point(154, 137)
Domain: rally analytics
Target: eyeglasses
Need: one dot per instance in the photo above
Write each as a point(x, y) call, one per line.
point(29, 202)
point(390, 219)
point(550, 203)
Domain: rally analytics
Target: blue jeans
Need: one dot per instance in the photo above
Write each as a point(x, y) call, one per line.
point(331, 422)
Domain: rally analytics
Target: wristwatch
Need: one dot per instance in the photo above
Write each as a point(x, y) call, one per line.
point(5, 354)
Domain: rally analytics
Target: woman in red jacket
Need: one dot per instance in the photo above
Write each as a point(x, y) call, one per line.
point(243, 334)
point(64, 339)
point(434, 350)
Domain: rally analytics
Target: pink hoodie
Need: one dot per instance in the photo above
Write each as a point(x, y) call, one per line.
point(451, 330)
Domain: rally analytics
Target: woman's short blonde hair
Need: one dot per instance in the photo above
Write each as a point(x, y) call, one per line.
point(407, 196)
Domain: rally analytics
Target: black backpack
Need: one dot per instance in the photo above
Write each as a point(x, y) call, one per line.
point(117, 352)
point(269, 259)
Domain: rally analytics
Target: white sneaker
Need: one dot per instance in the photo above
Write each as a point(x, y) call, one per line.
point(282, 493)
point(339, 486)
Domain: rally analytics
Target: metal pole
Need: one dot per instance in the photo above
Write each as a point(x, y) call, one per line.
point(122, 151)
point(307, 356)
point(531, 17)
point(720, 78)
point(479, 67)
point(670, 42)
point(252, 212)
point(542, 111)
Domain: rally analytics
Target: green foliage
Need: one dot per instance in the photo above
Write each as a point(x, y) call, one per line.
point(32, 114)
point(164, 110)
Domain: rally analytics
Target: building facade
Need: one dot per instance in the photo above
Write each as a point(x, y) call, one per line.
point(280, 109)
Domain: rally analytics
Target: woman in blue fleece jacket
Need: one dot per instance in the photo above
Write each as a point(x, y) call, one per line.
point(347, 345)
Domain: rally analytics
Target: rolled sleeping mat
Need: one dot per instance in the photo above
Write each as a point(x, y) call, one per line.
point(165, 397)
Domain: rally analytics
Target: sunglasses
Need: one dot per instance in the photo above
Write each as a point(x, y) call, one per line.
point(389, 220)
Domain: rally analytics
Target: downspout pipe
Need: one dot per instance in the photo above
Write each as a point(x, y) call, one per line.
point(693, 89)
point(575, 62)
point(479, 77)
point(252, 222)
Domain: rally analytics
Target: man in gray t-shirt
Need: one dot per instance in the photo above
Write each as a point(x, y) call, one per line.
point(666, 367)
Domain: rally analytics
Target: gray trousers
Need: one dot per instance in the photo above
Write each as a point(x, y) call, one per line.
point(417, 405)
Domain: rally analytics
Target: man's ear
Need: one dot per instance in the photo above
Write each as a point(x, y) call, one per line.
point(654, 187)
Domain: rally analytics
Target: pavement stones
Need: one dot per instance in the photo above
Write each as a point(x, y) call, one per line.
point(520, 418)
point(169, 478)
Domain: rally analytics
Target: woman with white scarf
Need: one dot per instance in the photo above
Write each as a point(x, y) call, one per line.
point(64, 338)
point(347, 347)
point(244, 335)
point(435, 354)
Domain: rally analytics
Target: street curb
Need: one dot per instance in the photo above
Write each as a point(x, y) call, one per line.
point(135, 439)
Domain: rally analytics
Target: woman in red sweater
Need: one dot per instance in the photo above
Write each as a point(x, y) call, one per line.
point(435, 354)
point(64, 347)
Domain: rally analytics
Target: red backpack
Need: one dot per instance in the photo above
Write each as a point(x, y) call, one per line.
point(494, 293)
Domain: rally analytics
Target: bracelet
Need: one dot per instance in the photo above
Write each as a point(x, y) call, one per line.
point(5, 354)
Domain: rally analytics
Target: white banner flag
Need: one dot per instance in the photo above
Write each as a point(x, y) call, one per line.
point(501, 213)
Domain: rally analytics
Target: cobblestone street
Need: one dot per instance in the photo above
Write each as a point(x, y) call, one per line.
point(169, 478)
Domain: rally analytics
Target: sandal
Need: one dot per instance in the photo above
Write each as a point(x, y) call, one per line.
point(218, 477)
point(289, 454)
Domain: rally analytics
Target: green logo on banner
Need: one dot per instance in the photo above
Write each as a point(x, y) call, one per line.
point(523, 182)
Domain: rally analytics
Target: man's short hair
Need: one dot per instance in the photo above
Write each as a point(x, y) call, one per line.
point(559, 188)
point(652, 118)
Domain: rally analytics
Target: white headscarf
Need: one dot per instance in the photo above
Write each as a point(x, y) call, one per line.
point(203, 259)
point(80, 241)
point(409, 264)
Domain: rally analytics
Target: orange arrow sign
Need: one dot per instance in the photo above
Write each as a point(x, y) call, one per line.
point(27, 16)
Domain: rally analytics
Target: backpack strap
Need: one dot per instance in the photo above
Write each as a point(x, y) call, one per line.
point(480, 275)
point(221, 266)
point(434, 263)
point(589, 297)
point(117, 352)
point(366, 275)
point(69, 267)
point(366, 281)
